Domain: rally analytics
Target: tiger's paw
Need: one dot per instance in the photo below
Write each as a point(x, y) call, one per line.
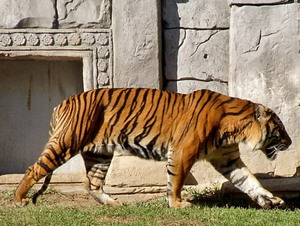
point(268, 202)
point(22, 203)
point(180, 204)
point(114, 202)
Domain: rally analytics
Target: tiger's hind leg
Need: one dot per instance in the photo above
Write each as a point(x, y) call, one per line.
point(96, 169)
point(51, 158)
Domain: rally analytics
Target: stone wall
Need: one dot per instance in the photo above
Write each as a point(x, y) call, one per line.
point(248, 49)
point(55, 14)
point(196, 45)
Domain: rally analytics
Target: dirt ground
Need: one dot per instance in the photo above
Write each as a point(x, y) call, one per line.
point(52, 198)
point(80, 197)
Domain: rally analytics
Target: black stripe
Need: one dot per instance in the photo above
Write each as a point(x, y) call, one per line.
point(245, 108)
point(125, 130)
point(206, 148)
point(226, 102)
point(99, 177)
point(203, 106)
point(240, 181)
point(117, 99)
point(120, 111)
point(170, 173)
point(151, 144)
point(134, 103)
point(44, 166)
point(230, 162)
point(48, 157)
point(57, 157)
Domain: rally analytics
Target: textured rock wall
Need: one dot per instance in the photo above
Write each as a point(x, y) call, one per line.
point(196, 39)
point(55, 14)
point(136, 29)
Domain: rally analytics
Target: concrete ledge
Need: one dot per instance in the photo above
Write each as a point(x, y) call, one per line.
point(10, 179)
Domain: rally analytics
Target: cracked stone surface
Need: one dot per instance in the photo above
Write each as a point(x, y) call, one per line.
point(27, 14)
point(84, 13)
point(259, 72)
point(196, 14)
point(55, 14)
point(256, 2)
point(198, 56)
point(195, 45)
point(136, 40)
point(189, 85)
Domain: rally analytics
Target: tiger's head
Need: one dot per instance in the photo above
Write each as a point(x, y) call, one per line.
point(269, 134)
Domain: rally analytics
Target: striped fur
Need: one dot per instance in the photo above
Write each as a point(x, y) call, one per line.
point(159, 125)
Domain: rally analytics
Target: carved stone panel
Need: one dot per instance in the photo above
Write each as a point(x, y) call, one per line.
point(84, 13)
point(29, 14)
point(93, 46)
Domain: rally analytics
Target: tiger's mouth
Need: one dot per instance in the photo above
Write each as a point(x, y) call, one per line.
point(273, 149)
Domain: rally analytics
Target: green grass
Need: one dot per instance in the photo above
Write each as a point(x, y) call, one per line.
point(209, 210)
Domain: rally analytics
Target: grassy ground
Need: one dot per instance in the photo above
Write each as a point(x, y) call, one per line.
point(55, 208)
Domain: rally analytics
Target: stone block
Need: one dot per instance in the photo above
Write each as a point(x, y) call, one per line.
point(206, 176)
point(136, 29)
point(188, 86)
point(147, 176)
point(131, 171)
point(84, 13)
point(264, 68)
point(196, 55)
point(256, 2)
point(200, 14)
point(27, 14)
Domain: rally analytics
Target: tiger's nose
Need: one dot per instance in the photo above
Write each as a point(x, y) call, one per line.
point(288, 141)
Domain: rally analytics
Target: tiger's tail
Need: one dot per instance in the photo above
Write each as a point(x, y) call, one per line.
point(53, 123)
point(42, 189)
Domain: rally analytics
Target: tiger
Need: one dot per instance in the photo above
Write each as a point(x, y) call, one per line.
point(160, 125)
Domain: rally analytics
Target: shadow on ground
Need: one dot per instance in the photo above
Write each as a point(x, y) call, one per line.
point(238, 200)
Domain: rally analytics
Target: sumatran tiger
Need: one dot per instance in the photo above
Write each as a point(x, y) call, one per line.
point(159, 125)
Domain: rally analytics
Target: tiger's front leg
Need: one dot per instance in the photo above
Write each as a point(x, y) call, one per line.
point(178, 167)
point(233, 168)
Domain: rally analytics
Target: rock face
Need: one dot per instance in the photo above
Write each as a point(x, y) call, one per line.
point(55, 14)
point(197, 58)
point(27, 14)
point(137, 44)
point(84, 13)
point(196, 45)
point(256, 2)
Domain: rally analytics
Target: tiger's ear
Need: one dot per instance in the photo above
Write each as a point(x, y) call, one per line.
point(260, 113)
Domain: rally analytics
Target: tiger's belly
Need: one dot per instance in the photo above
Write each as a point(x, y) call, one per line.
point(146, 151)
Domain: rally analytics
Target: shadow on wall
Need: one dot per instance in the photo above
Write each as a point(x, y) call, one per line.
point(171, 37)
